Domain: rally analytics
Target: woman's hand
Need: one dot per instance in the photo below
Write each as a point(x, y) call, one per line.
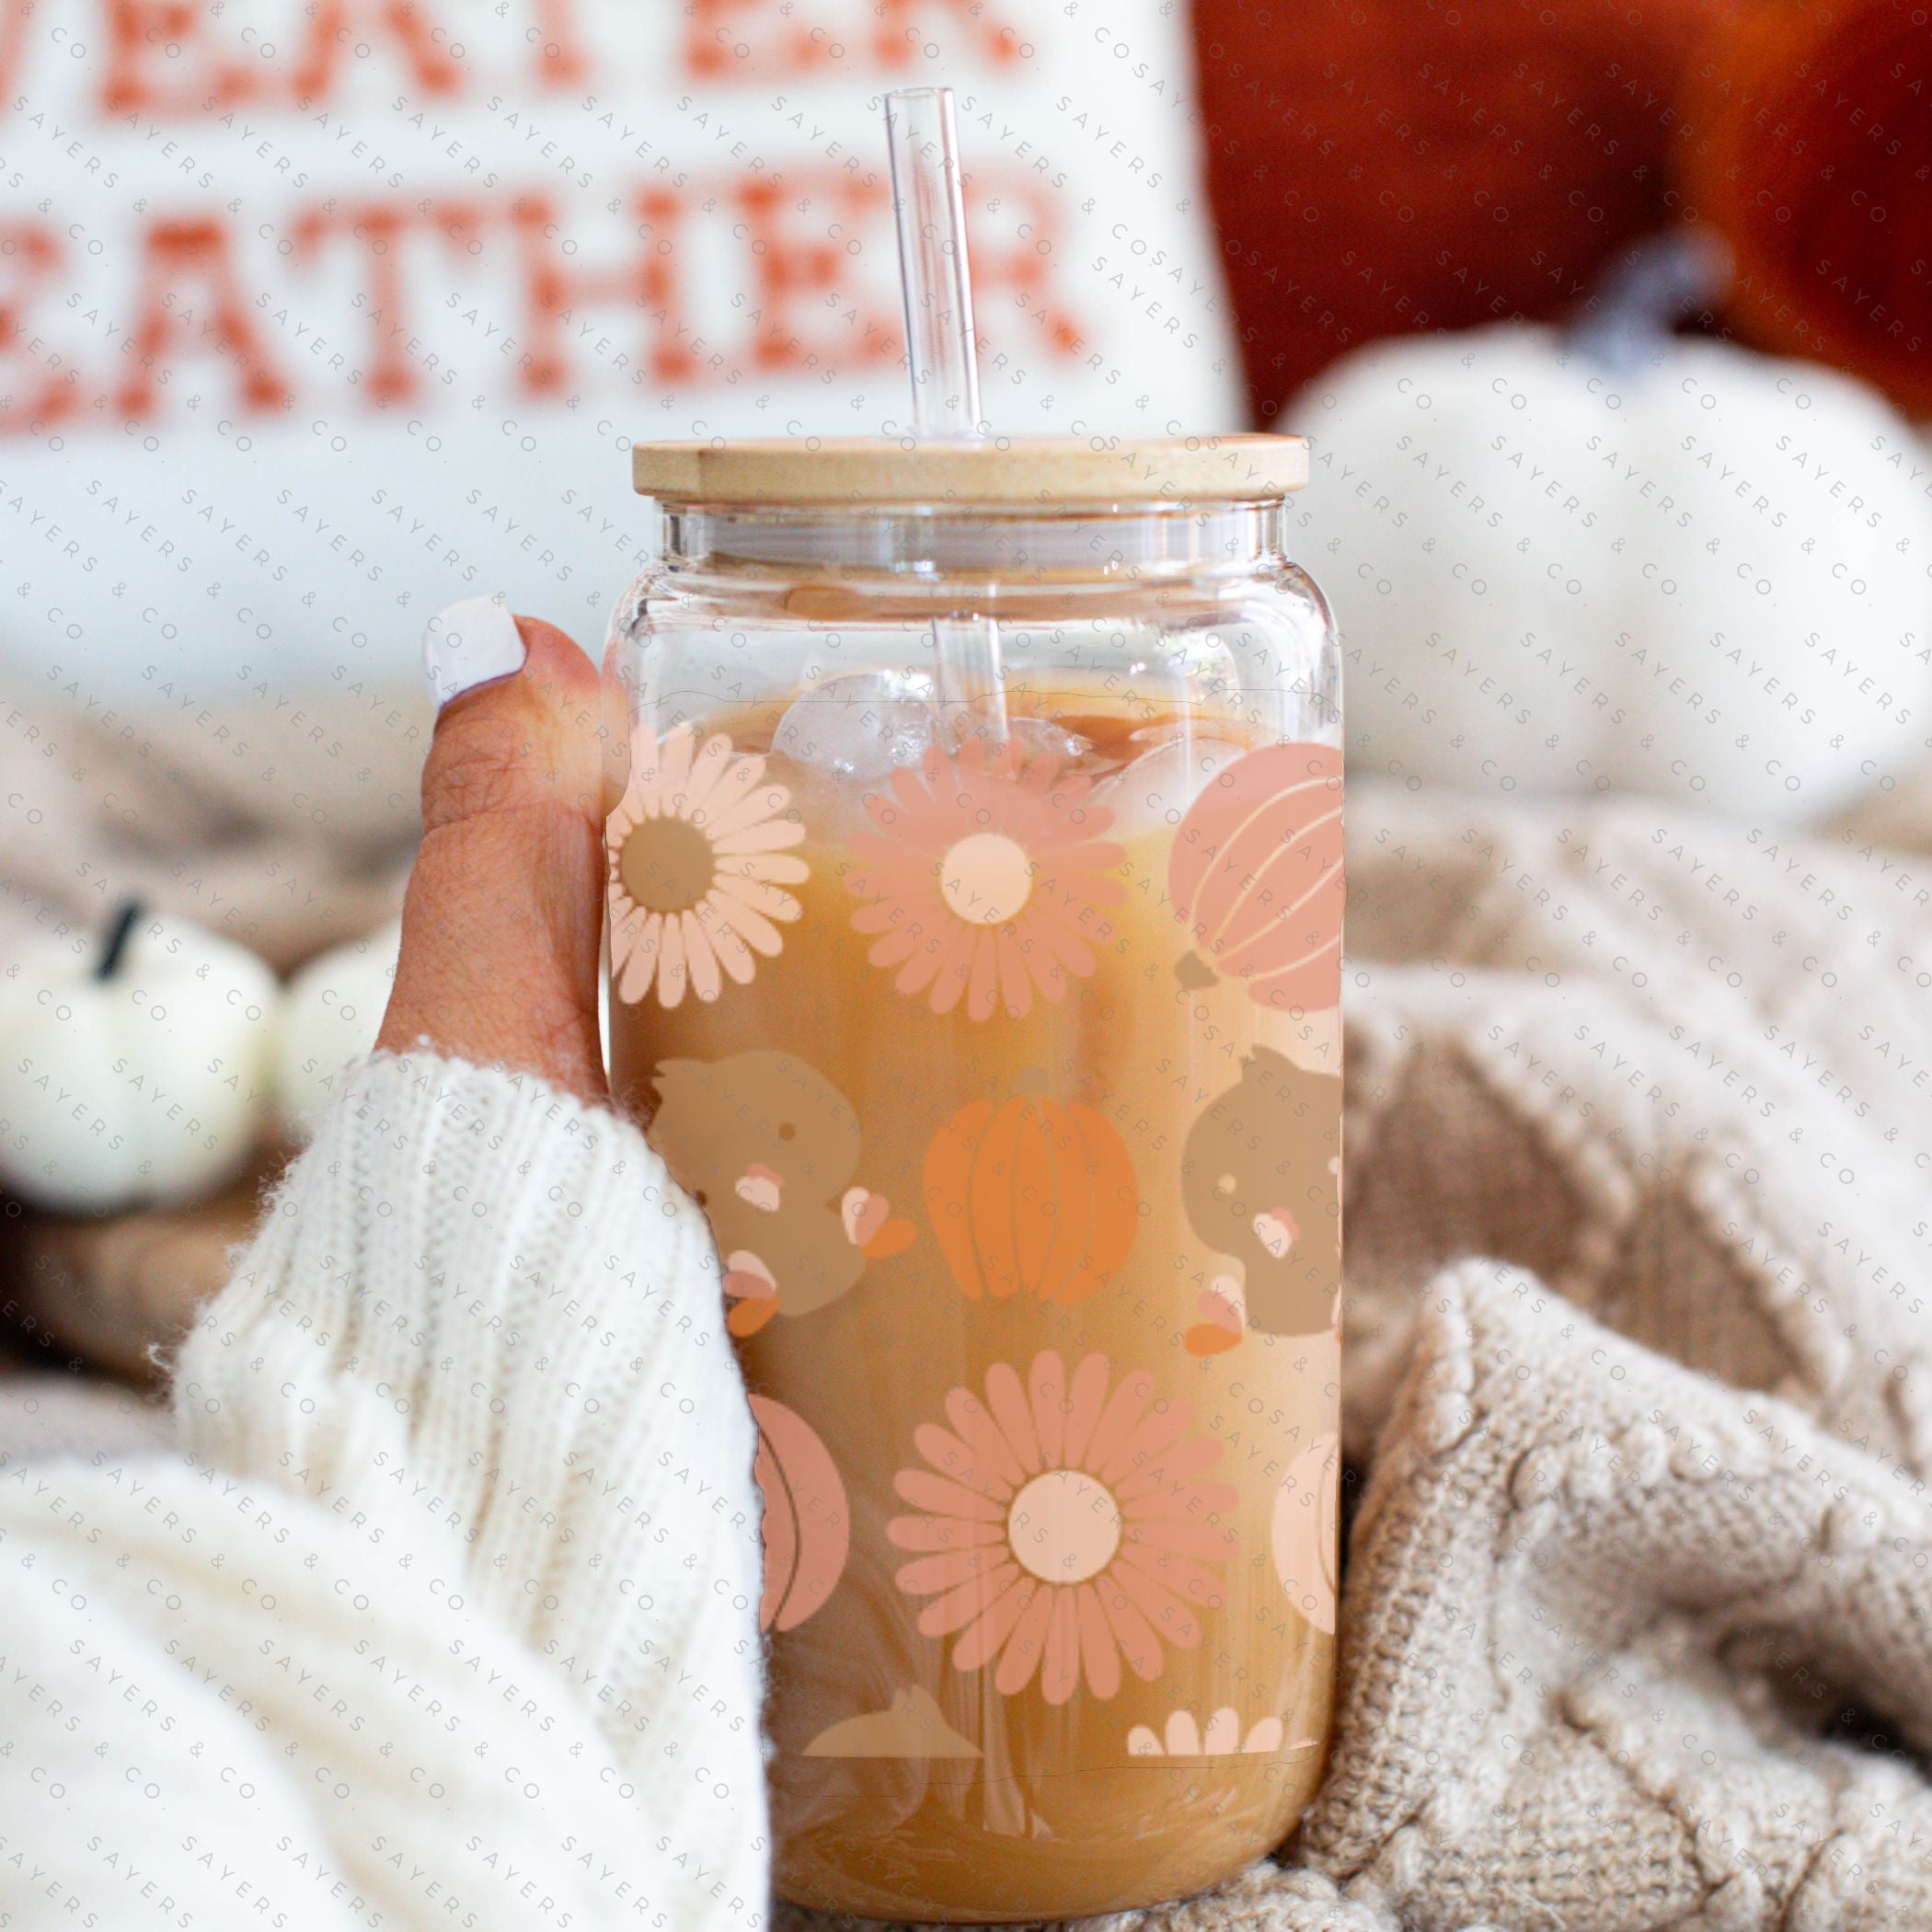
point(504, 910)
point(468, 1295)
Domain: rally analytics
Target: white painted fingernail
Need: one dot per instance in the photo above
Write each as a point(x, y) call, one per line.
point(467, 644)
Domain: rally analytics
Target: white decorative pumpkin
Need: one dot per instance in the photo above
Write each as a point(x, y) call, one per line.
point(134, 1070)
point(1621, 561)
point(330, 1017)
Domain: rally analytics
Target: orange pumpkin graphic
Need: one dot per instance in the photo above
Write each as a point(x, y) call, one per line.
point(807, 1527)
point(1256, 875)
point(1033, 1196)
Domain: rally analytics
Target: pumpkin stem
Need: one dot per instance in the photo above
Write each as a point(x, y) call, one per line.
point(127, 916)
point(1031, 1080)
point(1195, 972)
point(1644, 293)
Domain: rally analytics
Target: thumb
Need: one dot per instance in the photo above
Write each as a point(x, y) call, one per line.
point(504, 910)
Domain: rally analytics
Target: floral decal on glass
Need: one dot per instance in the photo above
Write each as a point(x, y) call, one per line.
point(1219, 1737)
point(985, 879)
point(1067, 1525)
point(699, 858)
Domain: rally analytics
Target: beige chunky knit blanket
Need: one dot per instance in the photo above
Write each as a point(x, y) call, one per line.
point(1637, 1618)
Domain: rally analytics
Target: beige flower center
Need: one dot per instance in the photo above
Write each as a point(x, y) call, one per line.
point(667, 865)
point(1065, 1526)
point(986, 877)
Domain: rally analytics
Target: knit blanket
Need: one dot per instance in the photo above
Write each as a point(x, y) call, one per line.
point(1636, 1612)
point(283, 821)
point(1638, 1585)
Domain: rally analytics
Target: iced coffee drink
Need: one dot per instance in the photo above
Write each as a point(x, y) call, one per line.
point(987, 1004)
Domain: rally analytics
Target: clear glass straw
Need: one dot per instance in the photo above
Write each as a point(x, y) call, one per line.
point(942, 359)
point(929, 205)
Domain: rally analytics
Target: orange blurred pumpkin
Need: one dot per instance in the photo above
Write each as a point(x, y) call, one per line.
point(807, 1526)
point(1382, 167)
point(1256, 875)
point(1035, 1196)
point(1810, 133)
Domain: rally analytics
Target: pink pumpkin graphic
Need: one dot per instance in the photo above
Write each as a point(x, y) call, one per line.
point(1256, 875)
point(807, 1528)
point(1307, 1531)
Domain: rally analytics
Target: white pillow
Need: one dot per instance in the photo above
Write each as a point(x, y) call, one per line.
point(376, 213)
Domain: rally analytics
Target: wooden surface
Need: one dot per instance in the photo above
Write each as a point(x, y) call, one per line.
point(111, 1292)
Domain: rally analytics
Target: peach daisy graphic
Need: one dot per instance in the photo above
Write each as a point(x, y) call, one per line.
point(1221, 1736)
point(1066, 1523)
point(698, 863)
point(985, 879)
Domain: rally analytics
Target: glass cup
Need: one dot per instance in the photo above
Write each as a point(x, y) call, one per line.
point(975, 915)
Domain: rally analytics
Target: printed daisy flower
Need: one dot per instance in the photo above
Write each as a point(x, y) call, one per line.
point(985, 878)
point(697, 862)
point(1067, 1525)
point(1221, 1736)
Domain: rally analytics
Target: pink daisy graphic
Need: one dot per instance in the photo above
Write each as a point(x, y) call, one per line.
point(699, 860)
point(1066, 1524)
point(985, 879)
point(1221, 1736)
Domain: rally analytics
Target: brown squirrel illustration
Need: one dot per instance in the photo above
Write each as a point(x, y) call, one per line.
point(1261, 1183)
point(768, 1146)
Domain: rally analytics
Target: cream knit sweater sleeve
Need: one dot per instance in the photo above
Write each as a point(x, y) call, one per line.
point(445, 1612)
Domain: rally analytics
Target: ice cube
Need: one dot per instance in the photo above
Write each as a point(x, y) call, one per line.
point(862, 725)
point(1034, 736)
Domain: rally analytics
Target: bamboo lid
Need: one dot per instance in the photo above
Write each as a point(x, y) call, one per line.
point(1013, 469)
